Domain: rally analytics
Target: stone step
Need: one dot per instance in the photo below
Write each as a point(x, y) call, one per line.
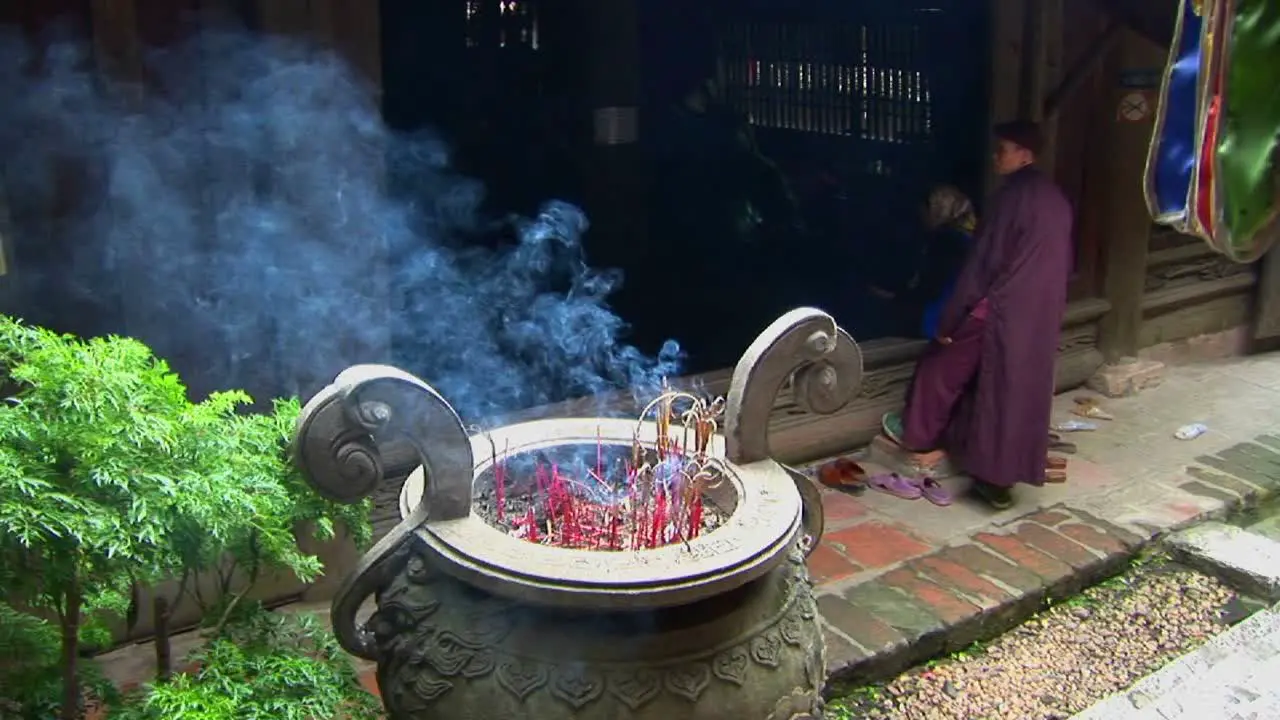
point(1248, 561)
point(1232, 676)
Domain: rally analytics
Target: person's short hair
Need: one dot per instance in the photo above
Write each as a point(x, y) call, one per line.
point(1023, 133)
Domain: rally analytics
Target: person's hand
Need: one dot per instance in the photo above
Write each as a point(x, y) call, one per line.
point(943, 340)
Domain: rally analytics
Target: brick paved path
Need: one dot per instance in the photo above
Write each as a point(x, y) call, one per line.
point(930, 600)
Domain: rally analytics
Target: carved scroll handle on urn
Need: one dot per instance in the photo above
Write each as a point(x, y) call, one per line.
point(824, 365)
point(343, 440)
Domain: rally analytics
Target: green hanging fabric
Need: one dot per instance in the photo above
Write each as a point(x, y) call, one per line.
point(1247, 178)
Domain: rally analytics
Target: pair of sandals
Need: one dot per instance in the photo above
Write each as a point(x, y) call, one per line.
point(848, 476)
point(1058, 445)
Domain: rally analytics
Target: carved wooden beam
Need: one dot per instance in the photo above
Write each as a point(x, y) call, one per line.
point(1152, 20)
point(1080, 71)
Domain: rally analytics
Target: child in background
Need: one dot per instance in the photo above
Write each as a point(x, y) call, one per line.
point(949, 222)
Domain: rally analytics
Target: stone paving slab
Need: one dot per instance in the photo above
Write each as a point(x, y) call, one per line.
point(1232, 677)
point(1243, 559)
point(901, 581)
point(1270, 527)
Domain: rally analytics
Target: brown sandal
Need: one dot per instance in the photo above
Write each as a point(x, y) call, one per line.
point(844, 475)
point(1062, 446)
point(1090, 407)
point(1055, 463)
point(1055, 476)
point(1057, 444)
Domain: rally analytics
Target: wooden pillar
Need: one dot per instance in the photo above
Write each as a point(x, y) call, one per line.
point(351, 29)
point(1050, 69)
point(1026, 63)
point(1007, 29)
point(117, 50)
point(357, 32)
point(1126, 223)
point(284, 17)
point(1031, 79)
point(616, 190)
point(116, 46)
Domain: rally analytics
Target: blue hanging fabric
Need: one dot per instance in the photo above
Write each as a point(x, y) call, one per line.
point(1171, 156)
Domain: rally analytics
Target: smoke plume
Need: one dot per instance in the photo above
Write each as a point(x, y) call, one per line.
point(237, 216)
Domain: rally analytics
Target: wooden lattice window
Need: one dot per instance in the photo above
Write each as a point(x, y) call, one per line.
point(835, 79)
point(866, 81)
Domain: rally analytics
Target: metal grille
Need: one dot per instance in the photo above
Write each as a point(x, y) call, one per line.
point(875, 79)
point(859, 105)
point(828, 79)
point(502, 24)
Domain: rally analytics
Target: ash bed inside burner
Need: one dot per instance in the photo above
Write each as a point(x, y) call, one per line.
point(596, 497)
point(611, 496)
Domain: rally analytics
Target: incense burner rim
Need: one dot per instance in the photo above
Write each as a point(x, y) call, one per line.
point(754, 538)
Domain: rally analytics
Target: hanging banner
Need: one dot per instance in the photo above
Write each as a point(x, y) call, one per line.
point(1202, 198)
point(1171, 156)
point(1246, 206)
point(1212, 162)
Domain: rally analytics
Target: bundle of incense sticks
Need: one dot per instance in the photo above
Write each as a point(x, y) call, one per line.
point(657, 501)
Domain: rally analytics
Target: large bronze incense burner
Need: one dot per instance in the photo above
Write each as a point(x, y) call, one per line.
point(589, 568)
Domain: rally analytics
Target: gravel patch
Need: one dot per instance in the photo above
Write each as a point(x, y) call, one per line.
point(1064, 659)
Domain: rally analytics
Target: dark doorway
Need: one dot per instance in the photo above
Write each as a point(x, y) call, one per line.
point(497, 79)
point(841, 116)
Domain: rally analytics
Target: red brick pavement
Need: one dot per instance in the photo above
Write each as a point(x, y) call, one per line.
point(827, 564)
point(876, 544)
point(840, 509)
point(967, 589)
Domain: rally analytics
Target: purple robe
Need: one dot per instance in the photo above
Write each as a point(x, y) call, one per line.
point(994, 392)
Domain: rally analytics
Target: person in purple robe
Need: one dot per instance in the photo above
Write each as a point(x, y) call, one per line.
point(983, 389)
